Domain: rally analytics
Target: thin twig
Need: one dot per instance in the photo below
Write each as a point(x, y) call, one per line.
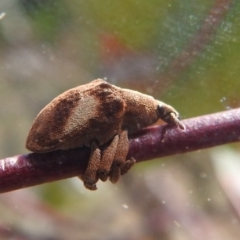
point(159, 141)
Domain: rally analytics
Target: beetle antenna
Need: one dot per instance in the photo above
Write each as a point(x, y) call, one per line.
point(177, 122)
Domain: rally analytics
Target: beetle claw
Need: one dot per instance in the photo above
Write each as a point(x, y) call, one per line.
point(90, 185)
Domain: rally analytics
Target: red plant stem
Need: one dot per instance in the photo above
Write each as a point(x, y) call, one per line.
point(159, 141)
point(201, 132)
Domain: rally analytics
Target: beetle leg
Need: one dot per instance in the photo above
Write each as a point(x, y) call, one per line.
point(90, 177)
point(173, 118)
point(107, 159)
point(120, 166)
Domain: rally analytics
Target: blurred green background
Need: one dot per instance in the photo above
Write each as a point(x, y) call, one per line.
point(186, 53)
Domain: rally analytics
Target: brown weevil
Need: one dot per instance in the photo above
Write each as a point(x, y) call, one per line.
point(93, 115)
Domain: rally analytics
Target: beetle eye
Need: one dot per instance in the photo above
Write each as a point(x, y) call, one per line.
point(164, 112)
point(161, 111)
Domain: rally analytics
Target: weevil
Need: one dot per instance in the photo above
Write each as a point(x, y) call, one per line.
point(94, 115)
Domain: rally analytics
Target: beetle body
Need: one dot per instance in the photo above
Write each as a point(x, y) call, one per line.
point(92, 115)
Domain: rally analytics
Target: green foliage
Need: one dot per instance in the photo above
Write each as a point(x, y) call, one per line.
point(47, 17)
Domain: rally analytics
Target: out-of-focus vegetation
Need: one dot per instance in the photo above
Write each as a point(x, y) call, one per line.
point(183, 52)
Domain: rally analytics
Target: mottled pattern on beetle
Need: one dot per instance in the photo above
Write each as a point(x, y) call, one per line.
point(97, 108)
point(114, 104)
point(109, 111)
point(64, 107)
point(56, 116)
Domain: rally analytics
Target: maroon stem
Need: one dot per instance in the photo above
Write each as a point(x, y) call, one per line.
point(159, 141)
